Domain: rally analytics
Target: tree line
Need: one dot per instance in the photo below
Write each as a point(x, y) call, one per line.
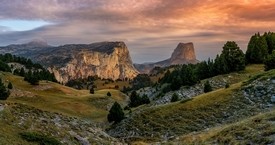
point(231, 59)
point(260, 49)
point(32, 72)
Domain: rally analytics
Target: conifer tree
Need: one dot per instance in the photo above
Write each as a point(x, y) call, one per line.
point(174, 98)
point(10, 85)
point(4, 92)
point(207, 87)
point(116, 113)
point(92, 91)
point(270, 62)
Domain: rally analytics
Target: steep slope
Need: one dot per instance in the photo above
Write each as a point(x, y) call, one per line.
point(183, 54)
point(205, 111)
point(109, 60)
point(259, 129)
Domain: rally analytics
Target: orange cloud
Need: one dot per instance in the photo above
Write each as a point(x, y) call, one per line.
point(145, 25)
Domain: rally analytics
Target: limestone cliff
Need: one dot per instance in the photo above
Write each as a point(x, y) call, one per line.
point(183, 54)
point(105, 60)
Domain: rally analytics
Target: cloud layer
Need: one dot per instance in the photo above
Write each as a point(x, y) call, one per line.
point(151, 28)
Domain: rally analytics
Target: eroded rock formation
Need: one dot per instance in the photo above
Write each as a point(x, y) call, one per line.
point(183, 54)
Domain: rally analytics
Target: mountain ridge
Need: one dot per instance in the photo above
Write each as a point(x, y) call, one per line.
point(108, 60)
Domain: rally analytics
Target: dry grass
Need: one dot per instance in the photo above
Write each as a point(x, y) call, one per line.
point(54, 97)
point(259, 129)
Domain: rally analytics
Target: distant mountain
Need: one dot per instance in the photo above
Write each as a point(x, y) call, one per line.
point(104, 59)
point(25, 49)
point(183, 54)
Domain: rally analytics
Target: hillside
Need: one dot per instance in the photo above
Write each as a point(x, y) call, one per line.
point(220, 107)
point(53, 110)
point(259, 129)
point(54, 97)
point(73, 116)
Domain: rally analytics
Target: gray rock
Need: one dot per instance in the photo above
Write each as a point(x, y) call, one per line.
point(1, 107)
point(81, 140)
point(273, 99)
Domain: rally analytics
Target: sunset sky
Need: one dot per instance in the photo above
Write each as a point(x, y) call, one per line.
point(150, 28)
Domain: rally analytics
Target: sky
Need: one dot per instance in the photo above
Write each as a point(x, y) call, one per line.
point(150, 28)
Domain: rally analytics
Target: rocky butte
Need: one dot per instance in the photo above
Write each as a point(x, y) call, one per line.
point(183, 54)
point(103, 59)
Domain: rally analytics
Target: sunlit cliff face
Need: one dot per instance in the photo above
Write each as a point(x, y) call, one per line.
point(150, 28)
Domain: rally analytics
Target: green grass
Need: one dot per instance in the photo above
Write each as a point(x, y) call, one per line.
point(39, 138)
point(204, 111)
point(9, 135)
point(259, 129)
point(54, 97)
point(236, 77)
point(193, 115)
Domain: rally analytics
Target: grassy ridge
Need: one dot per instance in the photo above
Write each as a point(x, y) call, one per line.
point(259, 129)
point(197, 114)
point(54, 97)
point(205, 111)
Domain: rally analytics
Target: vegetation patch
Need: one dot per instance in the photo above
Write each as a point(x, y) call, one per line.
point(39, 138)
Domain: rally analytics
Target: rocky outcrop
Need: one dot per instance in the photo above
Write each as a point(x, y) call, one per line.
point(147, 122)
point(105, 60)
point(109, 60)
point(183, 54)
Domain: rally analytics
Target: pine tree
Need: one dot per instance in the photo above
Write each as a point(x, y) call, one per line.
point(174, 98)
point(145, 99)
point(257, 49)
point(10, 85)
point(116, 113)
point(270, 39)
point(4, 92)
point(207, 87)
point(92, 91)
point(134, 99)
point(22, 72)
point(232, 57)
point(270, 62)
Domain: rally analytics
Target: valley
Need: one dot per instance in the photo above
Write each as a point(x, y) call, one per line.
point(137, 72)
point(77, 117)
point(89, 98)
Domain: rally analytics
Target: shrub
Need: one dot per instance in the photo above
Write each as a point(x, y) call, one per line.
point(10, 85)
point(207, 87)
point(4, 92)
point(92, 91)
point(109, 94)
point(227, 85)
point(175, 98)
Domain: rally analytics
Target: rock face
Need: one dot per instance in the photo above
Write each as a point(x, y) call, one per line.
point(104, 59)
point(183, 54)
